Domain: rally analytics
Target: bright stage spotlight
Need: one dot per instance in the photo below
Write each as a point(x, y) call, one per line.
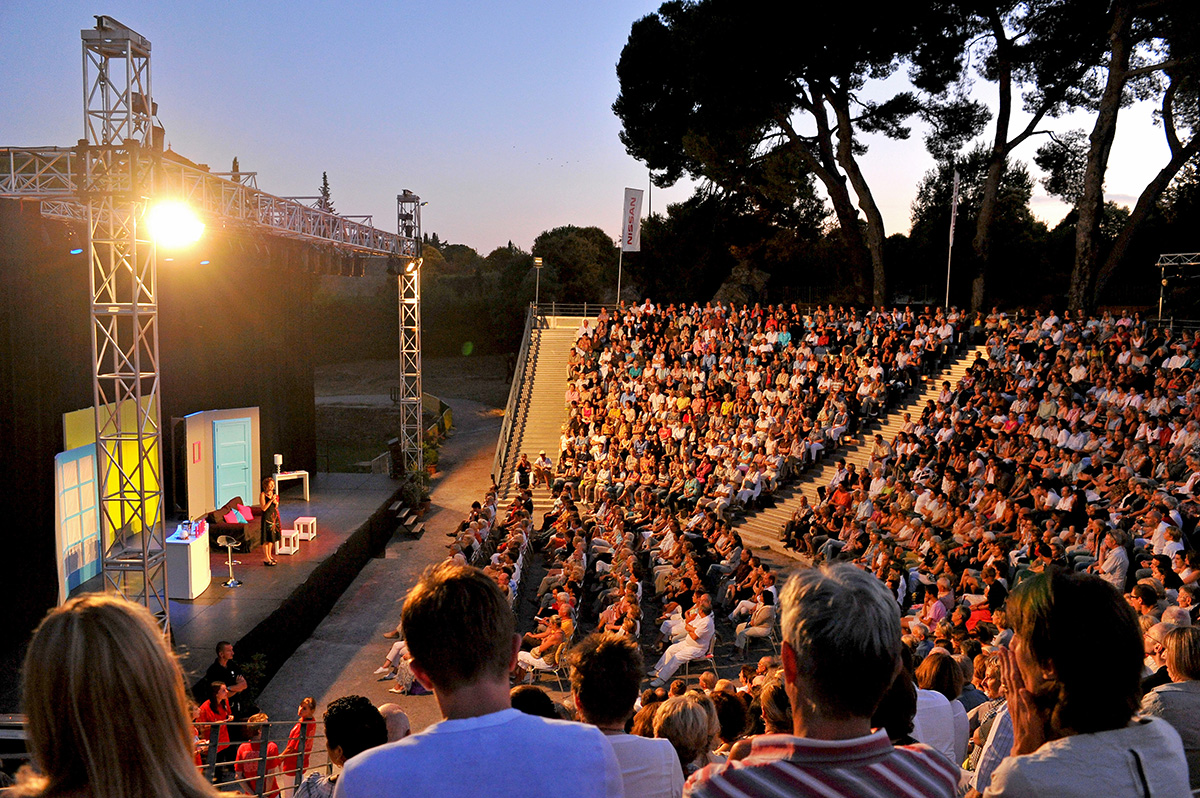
point(412, 265)
point(77, 251)
point(174, 225)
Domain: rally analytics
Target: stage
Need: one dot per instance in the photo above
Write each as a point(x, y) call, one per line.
point(276, 609)
point(343, 505)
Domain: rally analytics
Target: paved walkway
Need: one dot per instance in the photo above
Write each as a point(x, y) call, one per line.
point(348, 645)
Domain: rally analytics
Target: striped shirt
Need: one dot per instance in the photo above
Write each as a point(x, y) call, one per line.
point(781, 765)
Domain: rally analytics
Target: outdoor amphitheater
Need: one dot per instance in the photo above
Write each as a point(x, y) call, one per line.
point(756, 494)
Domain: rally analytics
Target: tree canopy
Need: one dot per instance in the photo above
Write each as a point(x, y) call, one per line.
point(579, 264)
point(796, 98)
point(324, 199)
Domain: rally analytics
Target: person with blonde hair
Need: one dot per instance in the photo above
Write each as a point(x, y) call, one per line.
point(249, 756)
point(1178, 702)
point(99, 651)
point(685, 722)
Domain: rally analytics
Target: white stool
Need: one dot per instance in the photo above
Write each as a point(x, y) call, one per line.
point(289, 542)
point(306, 527)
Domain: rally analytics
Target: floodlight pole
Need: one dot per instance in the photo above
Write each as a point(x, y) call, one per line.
point(118, 155)
point(408, 226)
point(537, 285)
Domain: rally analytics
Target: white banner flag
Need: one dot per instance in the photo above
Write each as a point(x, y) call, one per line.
point(631, 221)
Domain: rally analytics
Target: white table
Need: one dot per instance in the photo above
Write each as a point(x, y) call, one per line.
point(281, 476)
point(306, 527)
point(188, 570)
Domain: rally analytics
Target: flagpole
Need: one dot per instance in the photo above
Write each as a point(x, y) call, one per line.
point(620, 259)
point(631, 216)
point(950, 249)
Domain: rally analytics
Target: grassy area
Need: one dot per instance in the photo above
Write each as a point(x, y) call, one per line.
point(343, 457)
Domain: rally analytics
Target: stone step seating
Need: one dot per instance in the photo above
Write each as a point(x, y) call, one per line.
point(541, 410)
point(760, 528)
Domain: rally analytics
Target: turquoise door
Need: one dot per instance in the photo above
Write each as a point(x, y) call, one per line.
point(231, 461)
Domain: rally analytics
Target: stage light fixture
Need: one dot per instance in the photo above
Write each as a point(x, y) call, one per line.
point(412, 265)
point(77, 251)
point(174, 225)
point(205, 262)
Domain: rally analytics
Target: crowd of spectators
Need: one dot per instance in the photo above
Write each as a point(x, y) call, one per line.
point(1071, 444)
point(1003, 601)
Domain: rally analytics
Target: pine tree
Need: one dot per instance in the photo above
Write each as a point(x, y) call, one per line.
point(324, 203)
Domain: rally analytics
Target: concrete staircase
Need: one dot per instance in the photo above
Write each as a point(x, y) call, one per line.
point(541, 411)
point(761, 528)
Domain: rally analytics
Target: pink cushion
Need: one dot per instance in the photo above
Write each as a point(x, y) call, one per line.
point(230, 517)
point(246, 512)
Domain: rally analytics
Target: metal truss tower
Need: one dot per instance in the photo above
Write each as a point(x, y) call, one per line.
point(408, 226)
point(107, 182)
point(1178, 261)
point(116, 181)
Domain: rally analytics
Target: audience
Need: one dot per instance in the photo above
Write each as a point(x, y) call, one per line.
point(352, 725)
point(93, 654)
point(462, 643)
point(841, 653)
point(605, 672)
point(1178, 701)
point(1072, 681)
point(993, 565)
point(396, 720)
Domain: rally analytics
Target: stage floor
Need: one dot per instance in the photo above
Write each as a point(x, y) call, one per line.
point(340, 503)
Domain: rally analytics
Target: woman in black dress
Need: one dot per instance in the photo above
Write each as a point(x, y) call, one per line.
point(268, 500)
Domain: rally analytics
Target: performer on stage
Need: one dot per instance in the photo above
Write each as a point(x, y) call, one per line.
point(269, 501)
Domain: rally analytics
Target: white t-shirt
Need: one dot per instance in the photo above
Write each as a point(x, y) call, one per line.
point(502, 753)
point(1144, 758)
point(934, 723)
point(649, 766)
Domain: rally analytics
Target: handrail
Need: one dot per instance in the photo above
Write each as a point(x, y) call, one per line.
point(1171, 323)
point(585, 309)
point(13, 727)
point(514, 394)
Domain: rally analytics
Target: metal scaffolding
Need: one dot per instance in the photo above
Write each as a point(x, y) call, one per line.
point(116, 181)
point(408, 268)
point(1177, 260)
point(107, 183)
point(232, 200)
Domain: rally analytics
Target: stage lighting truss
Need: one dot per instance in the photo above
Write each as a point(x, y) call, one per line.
point(1174, 267)
point(106, 183)
point(408, 225)
point(114, 179)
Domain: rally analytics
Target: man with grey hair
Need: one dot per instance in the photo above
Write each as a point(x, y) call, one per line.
point(696, 642)
point(841, 651)
point(396, 719)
